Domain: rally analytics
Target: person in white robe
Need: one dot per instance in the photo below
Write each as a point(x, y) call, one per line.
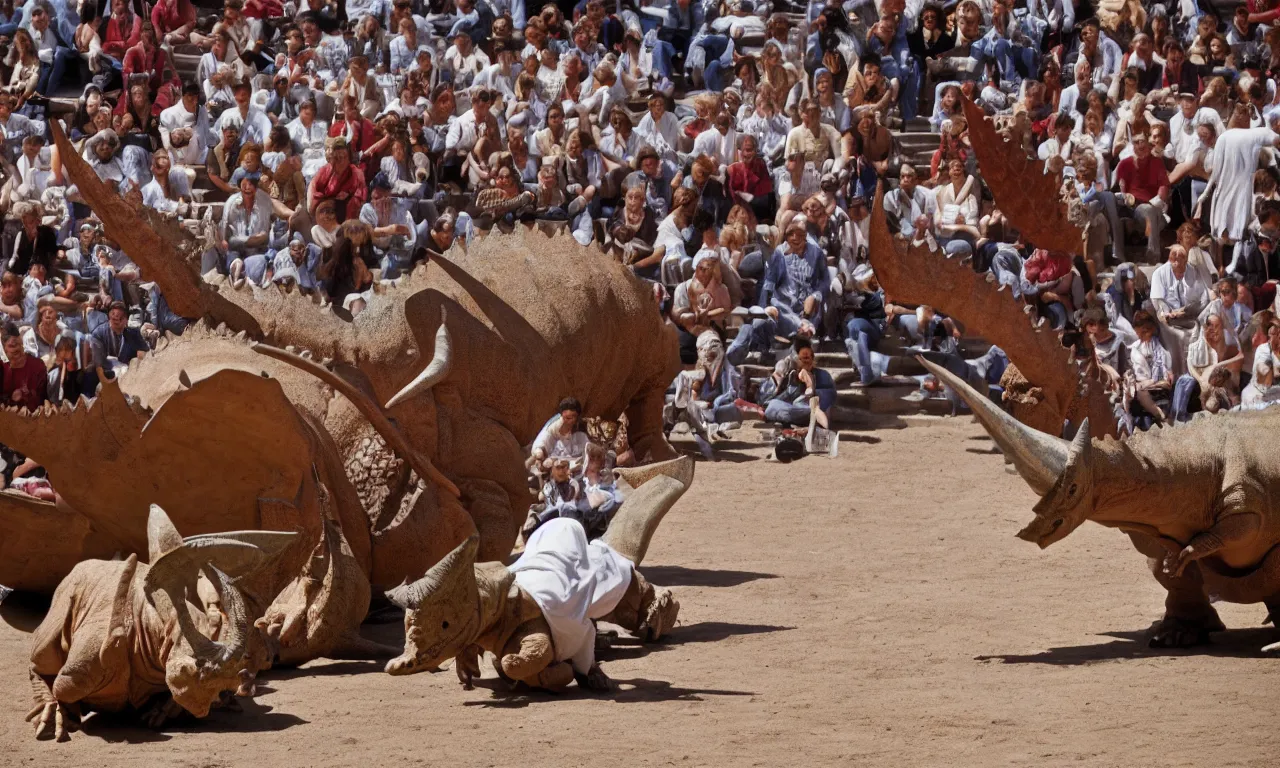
point(1232, 164)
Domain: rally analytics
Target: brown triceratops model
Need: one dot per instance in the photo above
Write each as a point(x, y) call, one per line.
point(1196, 499)
point(121, 634)
point(531, 319)
point(543, 636)
point(227, 437)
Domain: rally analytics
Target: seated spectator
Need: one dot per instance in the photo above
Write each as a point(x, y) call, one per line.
point(394, 233)
point(675, 238)
point(1216, 350)
point(345, 272)
point(802, 393)
point(1179, 294)
point(1144, 179)
point(794, 289)
point(956, 211)
point(564, 436)
point(115, 343)
point(700, 304)
point(25, 381)
point(865, 321)
point(71, 374)
point(338, 180)
point(633, 228)
point(1261, 391)
point(749, 182)
point(1049, 284)
point(1152, 380)
point(246, 224)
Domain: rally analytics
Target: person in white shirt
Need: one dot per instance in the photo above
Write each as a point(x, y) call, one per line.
point(255, 124)
point(185, 130)
point(720, 142)
point(309, 135)
point(1179, 295)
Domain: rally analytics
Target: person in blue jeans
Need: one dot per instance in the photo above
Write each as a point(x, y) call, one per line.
point(864, 328)
point(803, 391)
point(793, 293)
point(55, 53)
point(719, 53)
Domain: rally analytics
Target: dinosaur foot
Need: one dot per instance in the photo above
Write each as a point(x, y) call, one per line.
point(54, 720)
point(1178, 632)
point(660, 616)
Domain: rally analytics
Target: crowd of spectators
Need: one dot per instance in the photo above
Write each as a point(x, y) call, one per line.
point(725, 150)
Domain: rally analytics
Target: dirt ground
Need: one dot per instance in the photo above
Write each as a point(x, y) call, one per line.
point(874, 609)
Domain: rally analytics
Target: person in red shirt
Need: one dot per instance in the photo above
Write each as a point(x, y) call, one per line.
point(750, 182)
point(1144, 178)
point(340, 180)
point(121, 30)
point(148, 58)
point(25, 377)
point(359, 133)
point(1048, 284)
point(174, 20)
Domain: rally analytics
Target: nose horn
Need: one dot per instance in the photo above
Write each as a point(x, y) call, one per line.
point(1039, 458)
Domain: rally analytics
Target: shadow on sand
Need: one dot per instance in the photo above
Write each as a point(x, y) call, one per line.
point(679, 576)
point(1233, 643)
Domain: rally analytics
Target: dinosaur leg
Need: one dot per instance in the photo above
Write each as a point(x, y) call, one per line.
point(1188, 615)
point(51, 718)
point(1231, 528)
point(528, 654)
point(646, 611)
point(644, 428)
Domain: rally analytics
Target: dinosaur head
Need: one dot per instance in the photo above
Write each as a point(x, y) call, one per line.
point(1070, 501)
point(441, 611)
point(198, 670)
point(1060, 471)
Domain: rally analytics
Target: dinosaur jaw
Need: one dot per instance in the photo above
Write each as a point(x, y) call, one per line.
point(1044, 531)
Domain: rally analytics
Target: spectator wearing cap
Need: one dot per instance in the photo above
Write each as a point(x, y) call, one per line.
point(246, 222)
point(394, 236)
point(865, 319)
point(295, 265)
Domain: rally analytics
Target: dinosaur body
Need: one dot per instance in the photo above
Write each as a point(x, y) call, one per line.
point(118, 633)
point(523, 320)
point(535, 617)
point(1199, 500)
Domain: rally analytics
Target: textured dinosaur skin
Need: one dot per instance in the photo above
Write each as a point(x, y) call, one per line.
point(1026, 195)
point(461, 608)
point(913, 273)
point(1197, 499)
point(533, 319)
point(227, 438)
point(120, 633)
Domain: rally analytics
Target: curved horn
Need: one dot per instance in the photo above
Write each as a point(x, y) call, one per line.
point(1038, 457)
point(162, 536)
point(457, 564)
point(436, 370)
point(394, 437)
point(231, 645)
point(633, 526)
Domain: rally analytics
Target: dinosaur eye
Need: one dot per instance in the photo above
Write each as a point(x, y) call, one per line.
point(444, 625)
point(1072, 490)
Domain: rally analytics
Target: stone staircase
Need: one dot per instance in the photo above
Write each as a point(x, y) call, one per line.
point(886, 405)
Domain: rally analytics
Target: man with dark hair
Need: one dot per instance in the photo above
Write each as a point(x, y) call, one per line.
point(563, 436)
point(804, 393)
point(116, 340)
point(25, 380)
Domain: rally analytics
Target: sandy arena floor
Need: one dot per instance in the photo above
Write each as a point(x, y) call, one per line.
point(871, 610)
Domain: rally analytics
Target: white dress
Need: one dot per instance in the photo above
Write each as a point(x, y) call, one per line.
point(1234, 160)
point(572, 582)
